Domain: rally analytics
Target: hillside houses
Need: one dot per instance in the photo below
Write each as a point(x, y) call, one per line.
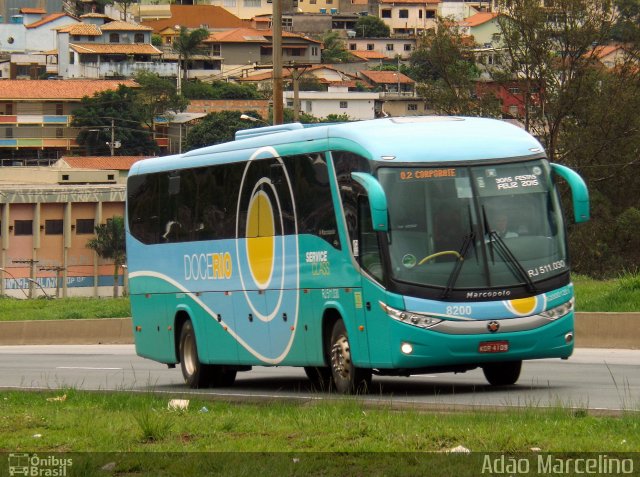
point(40, 44)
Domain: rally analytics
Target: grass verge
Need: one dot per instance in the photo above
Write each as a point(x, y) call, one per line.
point(12, 309)
point(58, 422)
point(618, 295)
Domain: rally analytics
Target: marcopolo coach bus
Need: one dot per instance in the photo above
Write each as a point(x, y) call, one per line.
point(395, 246)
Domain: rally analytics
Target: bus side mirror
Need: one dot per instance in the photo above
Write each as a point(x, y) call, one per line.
point(377, 200)
point(579, 192)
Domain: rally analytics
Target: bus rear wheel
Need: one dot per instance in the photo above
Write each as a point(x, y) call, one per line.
point(347, 378)
point(196, 374)
point(502, 374)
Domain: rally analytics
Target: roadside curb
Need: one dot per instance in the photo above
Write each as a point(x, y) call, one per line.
point(593, 330)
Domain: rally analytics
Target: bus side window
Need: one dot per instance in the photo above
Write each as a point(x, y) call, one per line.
point(143, 208)
point(314, 204)
point(370, 257)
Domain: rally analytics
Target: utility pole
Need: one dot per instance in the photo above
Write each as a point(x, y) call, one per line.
point(276, 42)
point(112, 144)
point(296, 75)
point(56, 269)
point(32, 273)
point(398, 75)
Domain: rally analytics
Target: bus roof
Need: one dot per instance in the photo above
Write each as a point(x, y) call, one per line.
point(402, 139)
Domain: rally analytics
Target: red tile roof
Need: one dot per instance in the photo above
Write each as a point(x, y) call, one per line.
point(115, 48)
point(195, 16)
point(286, 73)
point(603, 51)
point(81, 29)
point(48, 19)
point(479, 19)
point(118, 163)
point(33, 10)
point(244, 35)
point(56, 90)
point(96, 15)
point(387, 77)
point(411, 2)
point(124, 26)
point(368, 55)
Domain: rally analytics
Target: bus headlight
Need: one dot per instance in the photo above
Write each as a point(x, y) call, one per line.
point(558, 311)
point(415, 319)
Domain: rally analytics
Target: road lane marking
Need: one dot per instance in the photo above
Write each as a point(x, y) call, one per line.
point(88, 368)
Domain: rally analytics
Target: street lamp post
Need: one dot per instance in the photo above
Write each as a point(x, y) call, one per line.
point(246, 117)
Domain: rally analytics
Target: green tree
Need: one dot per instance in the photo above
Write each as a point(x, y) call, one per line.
point(196, 89)
point(157, 97)
point(187, 45)
point(448, 76)
point(309, 82)
point(371, 27)
point(586, 115)
point(626, 25)
point(552, 53)
point(109, 244)
point(95, 116)
point(216, 128)
point(334, 50)
point(601, 140)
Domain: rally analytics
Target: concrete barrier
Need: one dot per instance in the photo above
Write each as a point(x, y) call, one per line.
point(608, 330)
point(89, 331)
point(593, 330)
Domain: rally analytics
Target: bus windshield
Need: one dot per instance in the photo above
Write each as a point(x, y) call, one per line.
point(480, 226)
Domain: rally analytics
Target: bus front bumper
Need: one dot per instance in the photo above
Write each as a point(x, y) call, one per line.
point(423, 348)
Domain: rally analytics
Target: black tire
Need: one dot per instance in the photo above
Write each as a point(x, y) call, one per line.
point(222, 376)
point(320, 377)
point(347, 379)
point(502, 374)
point(196, 374)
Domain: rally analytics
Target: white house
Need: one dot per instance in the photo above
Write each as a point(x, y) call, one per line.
point(337, 100)
point(102, 48)
point(32, 31)
point(483, 27)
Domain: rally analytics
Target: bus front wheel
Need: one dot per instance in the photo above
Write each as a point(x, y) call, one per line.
point(347, 378)
point(196, 374)
point(502, 374)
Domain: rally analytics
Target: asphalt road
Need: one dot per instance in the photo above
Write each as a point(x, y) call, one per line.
point(593, 378)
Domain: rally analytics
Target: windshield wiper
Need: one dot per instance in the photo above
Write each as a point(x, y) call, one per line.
point(462, 253)
point(507, 255)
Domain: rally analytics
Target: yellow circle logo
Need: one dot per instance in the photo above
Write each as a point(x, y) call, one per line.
point(260, 238)
point(523, 306)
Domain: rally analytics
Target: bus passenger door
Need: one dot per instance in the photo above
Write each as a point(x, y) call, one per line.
point(369, 255)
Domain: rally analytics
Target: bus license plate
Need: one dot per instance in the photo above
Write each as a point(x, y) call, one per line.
point(493, 347)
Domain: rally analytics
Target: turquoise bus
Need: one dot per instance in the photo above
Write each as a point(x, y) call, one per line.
point(394, 246)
